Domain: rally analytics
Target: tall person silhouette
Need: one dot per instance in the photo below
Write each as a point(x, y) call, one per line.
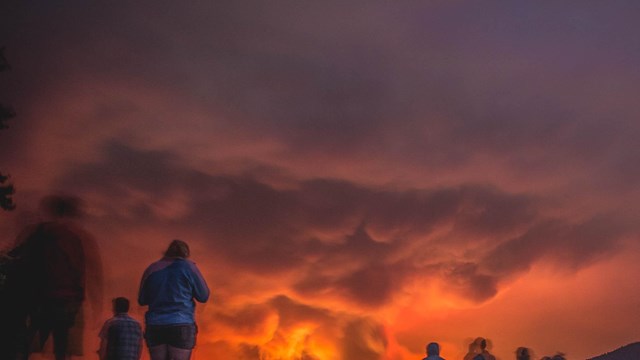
point(59, 267)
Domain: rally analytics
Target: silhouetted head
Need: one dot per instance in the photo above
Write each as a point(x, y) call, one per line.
point(120, 305)
point(178, 248)
point(559, 357)
point(523, 354)
point(433, 349)
point(480, 342)
point(61, 206)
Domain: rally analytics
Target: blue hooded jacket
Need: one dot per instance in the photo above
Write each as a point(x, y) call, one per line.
point(169, 286)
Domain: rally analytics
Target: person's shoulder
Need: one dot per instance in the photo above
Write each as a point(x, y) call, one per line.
point(124, 320)
point(105, 327)
point(160, 262)
point(193, 268)
point(128, 318)
point(488, 356)
point(185, 263)
point(158, 265)
point(107, 322)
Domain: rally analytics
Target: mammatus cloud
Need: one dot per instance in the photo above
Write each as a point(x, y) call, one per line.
point(345, 240)
point(333, 241)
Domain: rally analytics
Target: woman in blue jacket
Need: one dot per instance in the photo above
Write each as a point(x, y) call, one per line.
point(169, 287)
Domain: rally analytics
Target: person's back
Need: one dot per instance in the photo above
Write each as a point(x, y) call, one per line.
point(121, 336)
point(523, 353)
point(63, 262)
point(478, 350)
point(172, 283)
point(433, 352)
point(488, 356)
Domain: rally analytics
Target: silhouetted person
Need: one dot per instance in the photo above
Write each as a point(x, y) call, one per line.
point(121, 336)
point(433, 351)
point(169, 287)
point(522, 353)
point(16, 301)
point(478, 350)
point(18, 295)
point(57, 258)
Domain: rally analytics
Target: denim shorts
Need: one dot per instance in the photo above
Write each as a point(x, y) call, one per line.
point(181, 336)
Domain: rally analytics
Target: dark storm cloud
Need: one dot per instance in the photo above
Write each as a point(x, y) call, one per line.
point(374, 280)
point(466, 280)
point(423, 83)
point(265, 229)
point(571, 245)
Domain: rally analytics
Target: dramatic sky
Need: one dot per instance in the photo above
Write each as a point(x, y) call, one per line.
point(355, 178)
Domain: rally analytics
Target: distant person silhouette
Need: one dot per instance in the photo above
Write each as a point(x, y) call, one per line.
point(474, 350)
point(523, 353)
point(478, 350)
point(121, 335)
point(433, 352)
point(169, 287)
point(59, 268)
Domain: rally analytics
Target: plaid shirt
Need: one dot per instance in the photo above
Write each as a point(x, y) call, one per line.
point(123, 335)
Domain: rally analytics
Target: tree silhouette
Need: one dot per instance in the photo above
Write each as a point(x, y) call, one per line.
point(6, 113)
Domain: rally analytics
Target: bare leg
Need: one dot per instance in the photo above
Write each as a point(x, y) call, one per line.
point(179, 354)
point(159, 352)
